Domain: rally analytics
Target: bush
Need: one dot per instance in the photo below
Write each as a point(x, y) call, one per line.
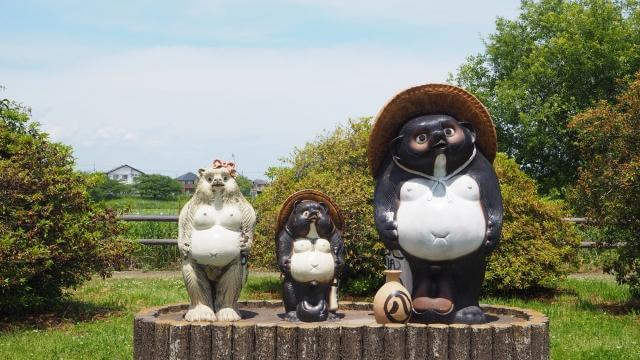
point(607, 189)
point(51, 235)
point(157, 187)
point(104, 188)
point(536, 249)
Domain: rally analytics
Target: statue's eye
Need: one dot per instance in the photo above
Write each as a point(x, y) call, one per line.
point(421, 139)
point(448, 132)
point(209, 179)
point(225, 178)
point(305, 214)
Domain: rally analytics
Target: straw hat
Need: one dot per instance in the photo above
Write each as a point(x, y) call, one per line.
point(308, 194)
point(430, 99)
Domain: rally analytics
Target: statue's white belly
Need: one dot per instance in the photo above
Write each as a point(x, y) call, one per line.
point(312, 262)
point(443, 221)
point(216, 245)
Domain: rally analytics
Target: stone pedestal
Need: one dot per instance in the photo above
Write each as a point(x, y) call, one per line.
point(160, 333)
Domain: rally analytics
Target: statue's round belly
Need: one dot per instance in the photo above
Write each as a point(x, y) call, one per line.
point(440, 230)
point(312, 266)
point(216, 246)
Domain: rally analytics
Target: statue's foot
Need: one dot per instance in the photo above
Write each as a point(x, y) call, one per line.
point(291, 316)
point(200, 312)
point(470, 315)
point(440, 306)
point(228, 314)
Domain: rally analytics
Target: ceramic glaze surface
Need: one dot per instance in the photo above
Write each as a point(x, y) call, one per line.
point(212, 242)
point(312, 261)
point(440, 220)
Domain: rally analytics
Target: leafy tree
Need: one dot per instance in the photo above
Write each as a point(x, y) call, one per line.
point(51, 235)
point(608, 186)
point(537, 71)
point(103, 188)
point(157, 187)
point(245, 184)
point(536, 249)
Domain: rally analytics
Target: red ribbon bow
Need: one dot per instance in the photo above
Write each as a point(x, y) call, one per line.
point(231, 167)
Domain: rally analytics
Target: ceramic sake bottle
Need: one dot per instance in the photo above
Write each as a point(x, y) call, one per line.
point(392, 303)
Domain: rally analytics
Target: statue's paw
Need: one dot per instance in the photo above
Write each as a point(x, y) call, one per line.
point(470, 315)
point(228, 314)
point(200, 313)
point(291, 316)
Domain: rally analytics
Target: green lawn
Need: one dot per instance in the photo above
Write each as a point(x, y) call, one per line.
point(590, 319)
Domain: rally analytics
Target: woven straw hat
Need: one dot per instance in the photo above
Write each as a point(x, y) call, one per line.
point(308, 194)
point(430, 99)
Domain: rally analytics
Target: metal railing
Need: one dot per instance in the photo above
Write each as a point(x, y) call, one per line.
point(174, 218)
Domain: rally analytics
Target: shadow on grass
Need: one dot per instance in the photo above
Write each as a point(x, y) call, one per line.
point(608, 307)
point(58, 314)
point(262, 287)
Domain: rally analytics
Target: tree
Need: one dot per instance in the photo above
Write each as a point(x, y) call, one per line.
point(51, 235)
point(537, 71)
point(245, 184)
point(536, 249)
point(157, 187)
point(103, 188)
point(608, 186)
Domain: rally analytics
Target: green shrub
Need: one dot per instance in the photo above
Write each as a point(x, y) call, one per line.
point(537, 247)
point(51, 235)
point(608, 186)
point(157, 187)
point(107, 189)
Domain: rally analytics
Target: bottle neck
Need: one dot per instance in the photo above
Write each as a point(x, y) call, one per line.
point(393, 275)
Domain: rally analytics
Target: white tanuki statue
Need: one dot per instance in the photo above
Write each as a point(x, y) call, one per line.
point(215, 235)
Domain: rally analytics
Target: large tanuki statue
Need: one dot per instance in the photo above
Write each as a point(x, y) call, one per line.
point(215, 235)
point(310, 254)
point(437, 199)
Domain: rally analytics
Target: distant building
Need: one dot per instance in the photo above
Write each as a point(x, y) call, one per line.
point(258, 186)
point(124, 173)
point(188, 181)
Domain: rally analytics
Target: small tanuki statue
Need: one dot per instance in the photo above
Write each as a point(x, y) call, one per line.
point(310, 255)
point(437, 200)
point(215, 234)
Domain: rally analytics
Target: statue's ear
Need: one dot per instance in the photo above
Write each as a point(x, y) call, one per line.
point(200, 172)
point(324, 206)
point(295, 204)
point(469, 126)
point(394, 144)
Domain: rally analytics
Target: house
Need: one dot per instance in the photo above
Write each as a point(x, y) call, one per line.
point(124, 174)
point(258, 186)
point(188, 181)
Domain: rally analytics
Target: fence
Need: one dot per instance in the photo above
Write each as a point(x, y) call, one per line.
point(174, 218)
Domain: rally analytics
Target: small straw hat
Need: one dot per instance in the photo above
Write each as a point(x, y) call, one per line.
point(308, 194)
point(430, 99)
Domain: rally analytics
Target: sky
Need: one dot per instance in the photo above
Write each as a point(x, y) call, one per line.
point(168, 86)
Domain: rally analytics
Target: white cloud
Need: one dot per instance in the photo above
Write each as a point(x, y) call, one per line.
point(174, 109)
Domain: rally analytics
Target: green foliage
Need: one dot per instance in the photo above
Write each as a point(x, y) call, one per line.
point(556, 59)
point(607, 189)
point(244, 184)
point(536, 248)
point(157, 187)
point(103, 188)
point(51, 235)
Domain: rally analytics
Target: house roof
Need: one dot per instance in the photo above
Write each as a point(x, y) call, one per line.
point(259, 182)
point(187, 177)
point(125, 165)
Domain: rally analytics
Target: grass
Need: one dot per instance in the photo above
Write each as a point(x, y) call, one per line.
point(134, 205)
point(590, 318)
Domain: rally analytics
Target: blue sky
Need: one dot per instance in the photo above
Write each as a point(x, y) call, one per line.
point(167, 86)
